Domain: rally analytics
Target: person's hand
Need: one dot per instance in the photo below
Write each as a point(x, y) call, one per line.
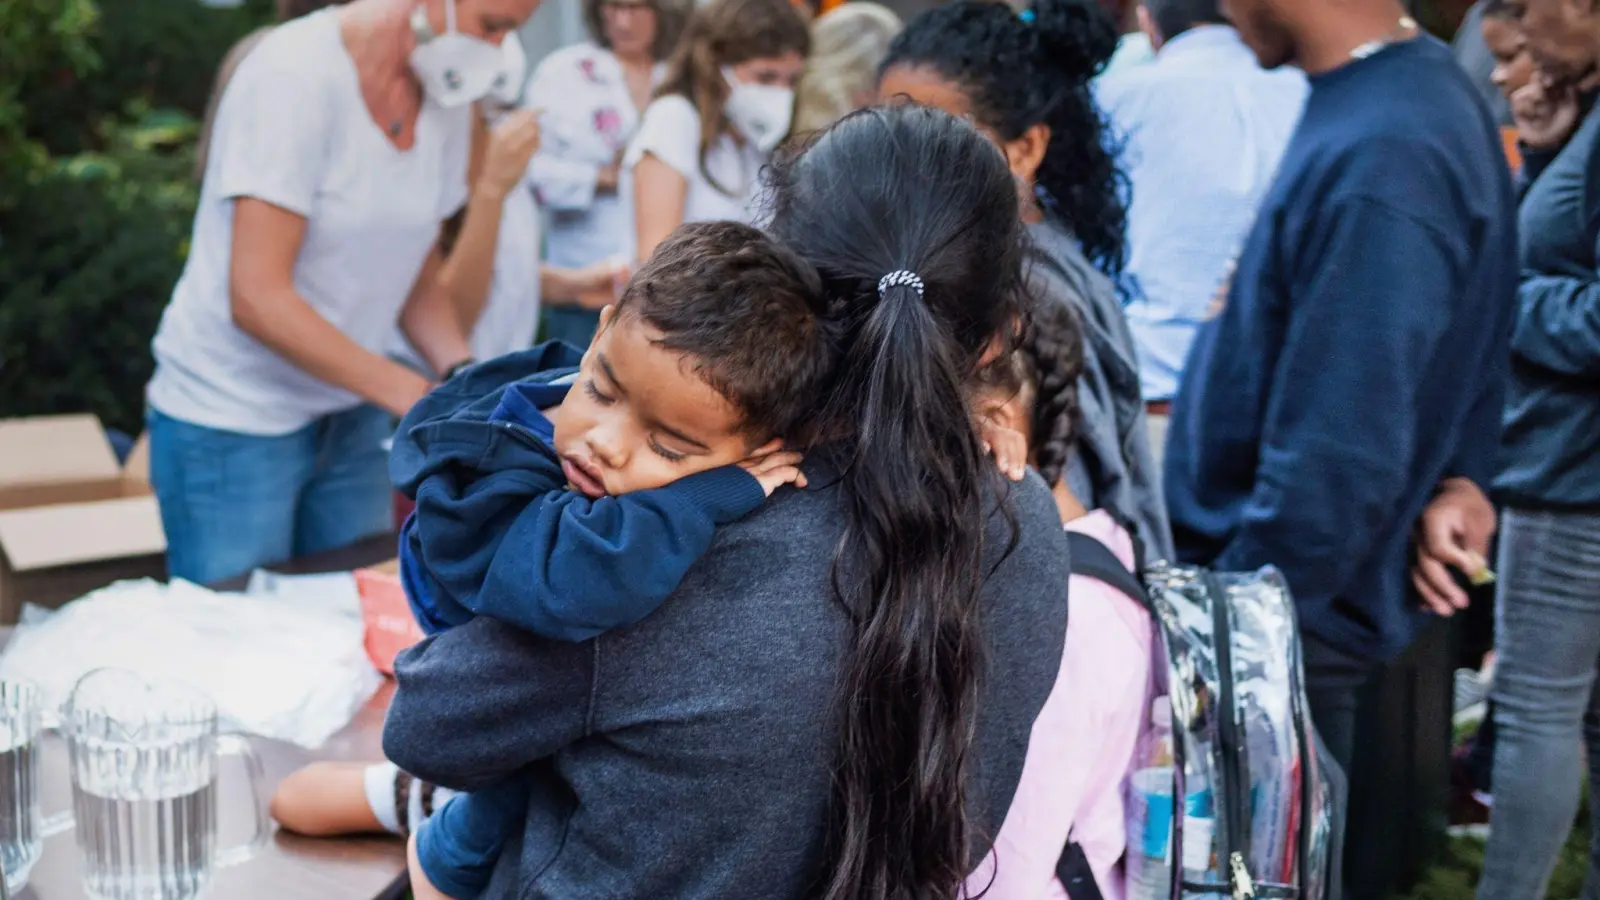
point(512, 143)
point(1545, 113)
point(1453, 533)
point(1007, 445)
point(601, 284)
point(610, 177)
point(403, 391)
point(775, 467)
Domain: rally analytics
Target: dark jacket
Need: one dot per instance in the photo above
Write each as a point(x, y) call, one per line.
point(1111, 466)
point(689, 757)
point(1551, 453)
point(1361, 355)
point(497, 532)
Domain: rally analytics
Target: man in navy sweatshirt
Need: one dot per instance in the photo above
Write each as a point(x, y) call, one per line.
point(1357, 362)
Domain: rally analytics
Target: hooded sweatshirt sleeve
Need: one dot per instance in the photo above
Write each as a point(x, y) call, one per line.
point(497, 532)
point(565, 566)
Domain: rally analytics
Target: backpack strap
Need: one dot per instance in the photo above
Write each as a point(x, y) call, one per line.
point(1075, 874)
point(1093, 559)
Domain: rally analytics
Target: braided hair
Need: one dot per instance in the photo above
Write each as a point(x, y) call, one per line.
point(1049, 360)
point(1023, 69)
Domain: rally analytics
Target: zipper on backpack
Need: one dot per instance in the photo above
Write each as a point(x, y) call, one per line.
point(1234, 844)
point(1244, 887)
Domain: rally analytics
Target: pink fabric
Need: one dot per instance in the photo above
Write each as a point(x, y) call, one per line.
point(1082, 744)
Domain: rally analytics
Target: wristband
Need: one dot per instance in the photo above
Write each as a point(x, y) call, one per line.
point(459, 367)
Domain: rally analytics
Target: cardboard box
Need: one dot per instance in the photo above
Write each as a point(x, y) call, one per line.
point(71, 519)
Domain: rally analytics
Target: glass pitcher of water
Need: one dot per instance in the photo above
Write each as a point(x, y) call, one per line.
point(144, 786)
point(23, 827)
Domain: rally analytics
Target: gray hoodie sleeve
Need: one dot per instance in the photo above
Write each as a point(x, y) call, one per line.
point(452, 686)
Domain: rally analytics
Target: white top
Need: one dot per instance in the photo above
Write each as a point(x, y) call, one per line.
point(589, 117)
point(670, 132)
point(292, 130)
point(511, 314)
point(1204, 127)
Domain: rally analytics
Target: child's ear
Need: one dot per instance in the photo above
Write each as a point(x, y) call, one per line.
point(606, 315)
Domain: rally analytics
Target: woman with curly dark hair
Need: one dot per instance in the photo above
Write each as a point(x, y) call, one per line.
point(1024, 79)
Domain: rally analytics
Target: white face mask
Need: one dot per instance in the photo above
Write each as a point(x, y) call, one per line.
point(454, 69)
point(507, 88)
point(761, 112)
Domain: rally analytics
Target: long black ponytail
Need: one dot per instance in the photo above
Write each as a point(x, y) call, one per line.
point(1022, 69)
point(919, 196)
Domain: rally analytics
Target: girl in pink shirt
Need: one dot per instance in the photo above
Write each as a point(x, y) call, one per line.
point(1083, 744)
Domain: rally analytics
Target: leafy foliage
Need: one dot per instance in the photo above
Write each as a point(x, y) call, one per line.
point(85, 280)
point(99, 102)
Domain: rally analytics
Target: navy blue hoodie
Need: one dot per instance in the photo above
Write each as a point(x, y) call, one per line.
point(497, 532)
point(1361, 355)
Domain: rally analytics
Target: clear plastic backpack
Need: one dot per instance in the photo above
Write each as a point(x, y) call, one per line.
point(1262, 810)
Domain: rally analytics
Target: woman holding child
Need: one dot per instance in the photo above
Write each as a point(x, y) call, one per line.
point(692, 754)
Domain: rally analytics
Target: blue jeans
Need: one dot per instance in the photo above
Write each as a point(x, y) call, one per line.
point(231, 502)
point(571, 324)
point(1544, 703)
point(459, 846)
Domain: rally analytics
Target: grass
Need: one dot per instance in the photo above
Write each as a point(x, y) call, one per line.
point(1455, 876)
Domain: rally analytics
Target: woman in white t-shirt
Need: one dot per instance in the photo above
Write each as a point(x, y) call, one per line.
point(592, 95)
point(339, 146)
point(727, 100)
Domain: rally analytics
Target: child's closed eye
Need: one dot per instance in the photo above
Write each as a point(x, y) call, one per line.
point(665, 453)
point(593, 390)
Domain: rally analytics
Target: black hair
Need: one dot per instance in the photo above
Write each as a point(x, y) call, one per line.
point(1029, 68)
point(1174, 17)
point(1050, 360)
point(906, 190)
point(747, 312)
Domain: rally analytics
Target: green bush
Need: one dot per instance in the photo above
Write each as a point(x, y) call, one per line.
point(160, 55)
point(98, 109)
point(38, 39)
point(84, 283)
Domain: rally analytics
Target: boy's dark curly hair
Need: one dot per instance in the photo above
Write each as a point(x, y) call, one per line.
point(1023, 69)
point(747, 312)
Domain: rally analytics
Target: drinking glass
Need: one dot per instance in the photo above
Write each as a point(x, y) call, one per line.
point(23, 827)
point(144, 786)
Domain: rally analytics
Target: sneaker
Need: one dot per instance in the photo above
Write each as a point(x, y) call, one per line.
point(1471, 696)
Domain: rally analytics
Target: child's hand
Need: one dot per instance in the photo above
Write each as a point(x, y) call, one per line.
point(775, 467)
point(1008, 447)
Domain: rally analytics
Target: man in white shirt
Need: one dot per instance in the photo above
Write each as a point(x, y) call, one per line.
point(1204, 127)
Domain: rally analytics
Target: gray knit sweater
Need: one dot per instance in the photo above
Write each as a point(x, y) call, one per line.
point(1111, 466)
point(689, 756)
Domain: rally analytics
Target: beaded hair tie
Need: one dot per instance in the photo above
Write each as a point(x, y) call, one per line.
point(898, 278)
